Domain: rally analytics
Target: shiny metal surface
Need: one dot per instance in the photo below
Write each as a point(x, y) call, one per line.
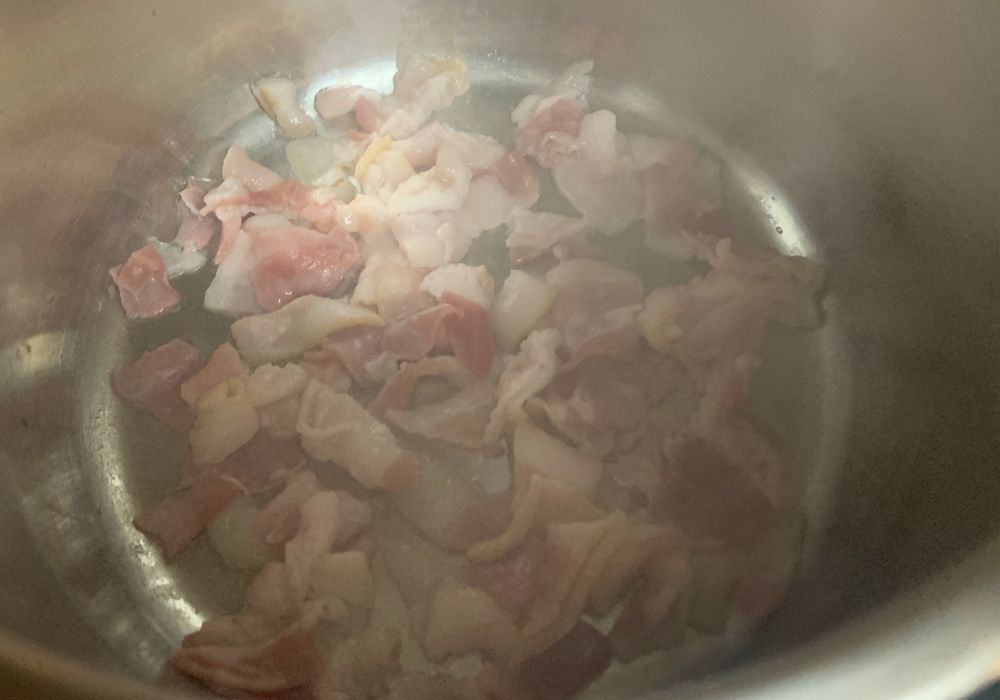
point(864, 134)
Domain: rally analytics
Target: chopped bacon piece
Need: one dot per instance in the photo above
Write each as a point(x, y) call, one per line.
point(195, 231)
point(277, 97)
point(371, 354)
point(463, 618)
point(293, 261)
point(193, 197)
point(258, 464)
point(413, 337)
point(398, 389)
point(709, 496)
point(680, 192)
point(176, 520)
point(551, 131)
point(601, 400)
point(337, 100)
point(285, 664)
point(336, 428)
point(143, 286)
point(524, 375)
point(225, 363)
point(595, 308)
point(279, 519)
point(482, 519)
point(459, 418)
point(470, 334)
point(359, 351)
point(153, 381)
point(254, 176)
point(517, 176)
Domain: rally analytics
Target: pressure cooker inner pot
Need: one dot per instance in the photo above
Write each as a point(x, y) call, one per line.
point(863, 137)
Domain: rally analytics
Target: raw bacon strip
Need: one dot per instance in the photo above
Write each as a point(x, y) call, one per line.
point(175, 521)
point(153, 382)
point(143, 286)
point(396, 392)
point(193, 196)
point(231, 291)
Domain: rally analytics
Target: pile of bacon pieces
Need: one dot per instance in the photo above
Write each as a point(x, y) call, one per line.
point(366, 355)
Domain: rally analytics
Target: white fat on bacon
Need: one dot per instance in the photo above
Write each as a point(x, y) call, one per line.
point(336, 428)
point(472, 283)
point(460, 419)
point(524, 375)
point(231, 291)
point(278, 98)
point(296, 327)
point(423, 86)
point(276, 393)
point(533, 234)
point(226, 420)
point(338, 100)
point(520, 306)
point(255, 177)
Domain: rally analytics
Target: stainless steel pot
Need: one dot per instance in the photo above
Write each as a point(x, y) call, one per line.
point(864, 134)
